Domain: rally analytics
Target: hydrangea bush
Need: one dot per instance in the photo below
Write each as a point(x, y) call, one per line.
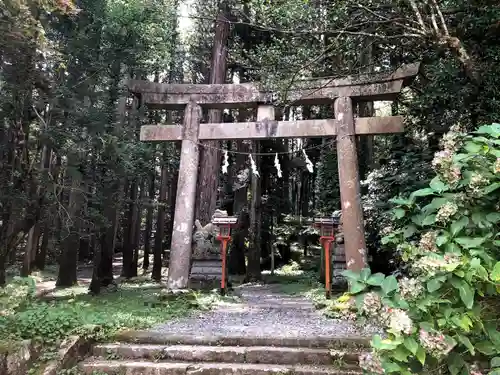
point(436, 318)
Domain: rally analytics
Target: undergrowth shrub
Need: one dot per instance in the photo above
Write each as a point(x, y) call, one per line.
point(442, 317)
point(131, 306)
point(16, 295)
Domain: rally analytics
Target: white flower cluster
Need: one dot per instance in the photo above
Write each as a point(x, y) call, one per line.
point(371, 304)
point(497, 166)
point(371, 363)
point(453, 139)
point(474, 370)
point(431, 265)
point(395, 319)
point(387, 230)
point(435, 343)
point(443, 164)
point(428, 242)
point(399, 321)
point(477, 182)
point(446, 211)
point(410, 288)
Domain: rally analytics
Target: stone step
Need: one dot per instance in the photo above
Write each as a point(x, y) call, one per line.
point(232, 354)
point(93, 365)
point(164, 338)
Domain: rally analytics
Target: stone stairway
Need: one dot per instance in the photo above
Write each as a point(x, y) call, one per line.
point(267, 333)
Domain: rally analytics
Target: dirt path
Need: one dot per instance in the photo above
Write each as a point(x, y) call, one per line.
point(263, 312)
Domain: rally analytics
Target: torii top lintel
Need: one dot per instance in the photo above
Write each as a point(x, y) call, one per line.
point(380, 86)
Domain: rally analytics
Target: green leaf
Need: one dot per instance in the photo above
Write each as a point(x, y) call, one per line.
point(389, 285)
point(491, 188)
point(493, 217)
point(441, 240)
point(384, 344)
point(376, 279)
point(418, 219)
point(493, 130)
point(469, 242)
point(434, 284)
point(356, 287)
point(411, 344)
point(436, 203)
point(401, 354)
point(401, 201)
point(438, 185)
point(351, 275)
point(422, 192)
point(429, 220)
point(391, 367)
point(400, 302)
point(458, 225)
point(486, 347)
point(365, 274)
point(466, 342)
point(455, 363)
point(465, 291)
point(495, 273)
point(409, 231)
point(399, 213)
point(473, 147)
point(495, 362)
point(421, 355)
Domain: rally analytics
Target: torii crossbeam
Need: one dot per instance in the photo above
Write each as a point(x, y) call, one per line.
point(345, 127)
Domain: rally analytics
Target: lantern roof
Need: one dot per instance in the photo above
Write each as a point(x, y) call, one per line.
point(231, 220)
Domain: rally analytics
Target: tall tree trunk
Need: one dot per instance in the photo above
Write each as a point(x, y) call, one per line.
point(129, 231)
point(172, 194)
point(366, 109)
point(209, 164)
point(253, 270)
point(160, 223)
point(149, 221)
point(138, 225)
point(236, 261)
point(68, 261)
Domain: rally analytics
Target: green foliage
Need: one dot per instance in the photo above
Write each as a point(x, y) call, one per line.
point(16, 295)
point(447, 233)
point(406, 170)
point(133, 306)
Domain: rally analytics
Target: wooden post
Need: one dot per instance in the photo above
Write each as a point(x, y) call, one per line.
point(180, 253)
point(350, 195)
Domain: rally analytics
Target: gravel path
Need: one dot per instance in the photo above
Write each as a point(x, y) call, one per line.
point(263, 312)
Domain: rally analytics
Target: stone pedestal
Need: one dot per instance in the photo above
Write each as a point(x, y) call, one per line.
point(206, 262)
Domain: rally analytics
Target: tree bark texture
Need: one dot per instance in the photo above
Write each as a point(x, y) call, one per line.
point(208, 180)
point(149, 221)
point(160, 222)
point(254, 252)
point(68, 261)
point(236, 261)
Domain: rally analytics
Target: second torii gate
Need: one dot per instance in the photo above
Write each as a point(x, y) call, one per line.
point(340, 92)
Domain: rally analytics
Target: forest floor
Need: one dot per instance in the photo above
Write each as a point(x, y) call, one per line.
point(50, 314)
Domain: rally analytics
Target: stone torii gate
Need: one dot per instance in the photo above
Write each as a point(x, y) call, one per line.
point(341, 92)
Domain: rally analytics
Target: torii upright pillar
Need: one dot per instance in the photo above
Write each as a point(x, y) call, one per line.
point(180, 253)
point(350, 194)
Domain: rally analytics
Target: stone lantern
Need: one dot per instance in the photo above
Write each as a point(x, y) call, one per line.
point(326, 227)
point(224, 225)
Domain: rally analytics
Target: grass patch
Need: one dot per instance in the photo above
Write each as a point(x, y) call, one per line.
point(131, 306)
